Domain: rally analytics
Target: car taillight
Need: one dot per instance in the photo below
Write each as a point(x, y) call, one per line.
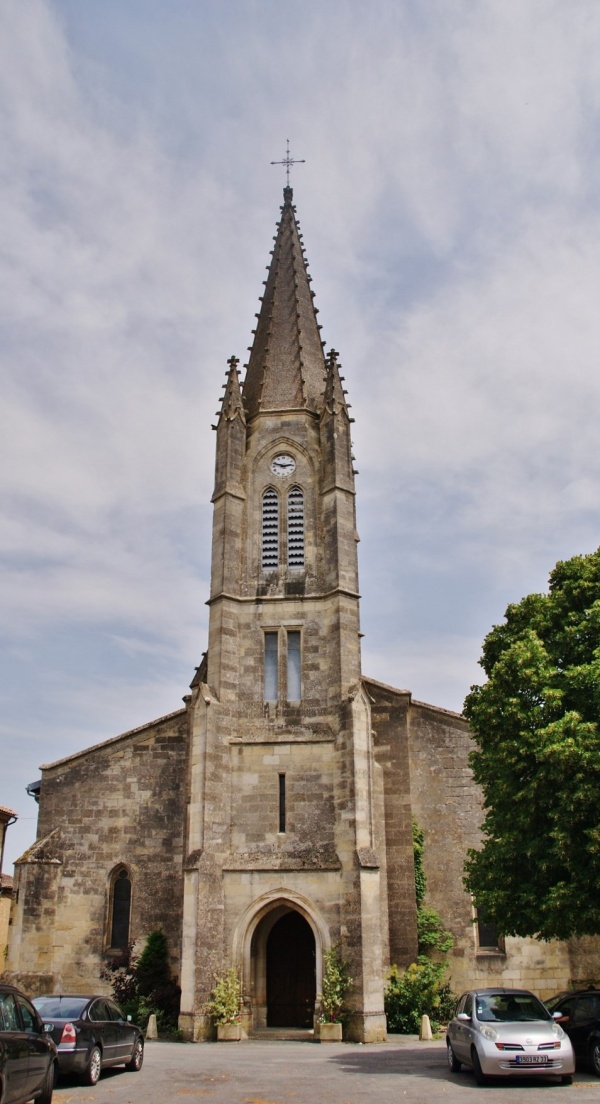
point(69, 1035)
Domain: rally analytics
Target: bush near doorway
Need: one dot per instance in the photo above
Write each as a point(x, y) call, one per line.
point(225, 1005)
point(336, 983)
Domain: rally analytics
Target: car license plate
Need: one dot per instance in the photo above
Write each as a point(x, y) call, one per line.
point(531, 1059)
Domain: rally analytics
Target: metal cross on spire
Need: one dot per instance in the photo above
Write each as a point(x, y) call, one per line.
point(288, 162)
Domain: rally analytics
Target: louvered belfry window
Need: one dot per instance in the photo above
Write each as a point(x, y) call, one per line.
point(270, 530)
point(295, 528)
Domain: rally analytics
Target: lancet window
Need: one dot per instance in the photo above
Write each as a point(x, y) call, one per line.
point(290, 641)
point(120, 909)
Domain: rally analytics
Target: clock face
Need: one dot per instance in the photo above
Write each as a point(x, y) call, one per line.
point(283, 464)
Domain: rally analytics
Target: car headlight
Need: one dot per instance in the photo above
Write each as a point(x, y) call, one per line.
point(488, 1032)
point(558, 1031)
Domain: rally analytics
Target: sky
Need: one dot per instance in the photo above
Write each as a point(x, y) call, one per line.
point(450, 206)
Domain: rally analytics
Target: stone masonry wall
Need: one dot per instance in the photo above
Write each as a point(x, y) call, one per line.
point(121, 802)
point(389, 710)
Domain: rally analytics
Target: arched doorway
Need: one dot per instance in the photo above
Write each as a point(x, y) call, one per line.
point(291, 977)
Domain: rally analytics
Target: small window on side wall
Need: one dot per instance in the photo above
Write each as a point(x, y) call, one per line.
point(489, 940)
point(120, 909)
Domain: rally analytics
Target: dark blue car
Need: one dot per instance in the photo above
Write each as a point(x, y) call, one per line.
point(91, 1033)
point(580, 1019)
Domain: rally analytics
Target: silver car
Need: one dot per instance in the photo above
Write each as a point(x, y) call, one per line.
point(507, 1032)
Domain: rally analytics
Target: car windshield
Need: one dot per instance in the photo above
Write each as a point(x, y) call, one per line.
point(60, 1008)
point(510, 1008)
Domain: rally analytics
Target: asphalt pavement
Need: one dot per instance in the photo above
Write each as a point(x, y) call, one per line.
point(401, 1071)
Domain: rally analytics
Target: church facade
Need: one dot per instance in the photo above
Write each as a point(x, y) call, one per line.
point(271, 817)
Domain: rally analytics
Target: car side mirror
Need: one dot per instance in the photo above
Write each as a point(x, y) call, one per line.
point(463, 1017)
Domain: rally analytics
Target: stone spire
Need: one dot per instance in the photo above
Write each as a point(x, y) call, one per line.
point(335, 396)
point(286, 369)
point(231, 436)
point(231, 405)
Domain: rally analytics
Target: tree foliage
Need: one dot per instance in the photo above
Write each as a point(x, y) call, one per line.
point(537, 759)
point(143, 985)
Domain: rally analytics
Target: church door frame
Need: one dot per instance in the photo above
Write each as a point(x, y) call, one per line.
point(251, 953)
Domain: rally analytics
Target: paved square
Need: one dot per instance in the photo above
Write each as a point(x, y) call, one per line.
point(260, 1072)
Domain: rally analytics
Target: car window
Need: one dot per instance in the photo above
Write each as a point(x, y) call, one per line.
point(60, 1008)
point(28, 1016)
point(9, 1017)
point(115, 1012)
point(587, 1008)
point(510, 1008)
point(566, 1007)
point(468, 1005)
point(99, 1011)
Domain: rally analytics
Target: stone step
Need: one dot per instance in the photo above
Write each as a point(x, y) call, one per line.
point(283, 1034)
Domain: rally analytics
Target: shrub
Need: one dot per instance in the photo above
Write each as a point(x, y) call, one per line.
point(225, 1002)
point(336, 982)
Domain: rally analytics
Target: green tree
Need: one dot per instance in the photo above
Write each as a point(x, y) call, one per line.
point(537, 759)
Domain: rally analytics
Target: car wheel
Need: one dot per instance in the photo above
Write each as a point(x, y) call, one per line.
point(480, 1077)
point(91, 1075)
point(45, 1096)
point(453, 1061)
point(137, 1057)
point(595, 1057)
point(566, 1079)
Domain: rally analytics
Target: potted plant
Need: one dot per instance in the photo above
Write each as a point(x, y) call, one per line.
point(336, 982)
point(225, 1005)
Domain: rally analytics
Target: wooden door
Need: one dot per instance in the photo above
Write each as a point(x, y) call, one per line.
point(291, 984)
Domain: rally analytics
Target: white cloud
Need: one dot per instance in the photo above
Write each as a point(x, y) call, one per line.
point(450, 205)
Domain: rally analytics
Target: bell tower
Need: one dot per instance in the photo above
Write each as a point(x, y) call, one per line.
point(284, 796)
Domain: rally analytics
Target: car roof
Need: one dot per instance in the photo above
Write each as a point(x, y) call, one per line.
point(499, 990)
point(574, 992)
point(72, 996)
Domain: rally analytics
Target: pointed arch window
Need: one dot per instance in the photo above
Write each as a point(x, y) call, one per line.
point(295, 527)
point(120, 908)
point(270, 530)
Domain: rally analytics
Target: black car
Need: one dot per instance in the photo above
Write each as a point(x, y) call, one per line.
point(91, 1033)
point(28, 1059)
point(580, 1020)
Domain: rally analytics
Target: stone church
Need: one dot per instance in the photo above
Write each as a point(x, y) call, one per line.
point(271, 816)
